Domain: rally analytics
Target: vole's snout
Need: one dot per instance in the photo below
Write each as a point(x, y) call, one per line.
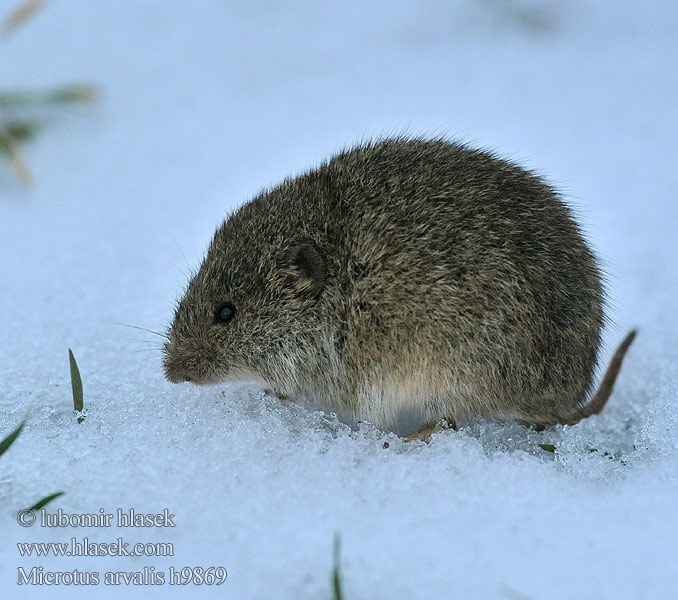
point(172, 373)
point(191, 361)
point(172, 365)
point(177, 373)
point(177, 379)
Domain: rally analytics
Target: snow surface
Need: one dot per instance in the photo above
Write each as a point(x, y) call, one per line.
point(202, 105)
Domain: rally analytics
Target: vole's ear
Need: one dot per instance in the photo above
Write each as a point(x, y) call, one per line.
point(308, 271)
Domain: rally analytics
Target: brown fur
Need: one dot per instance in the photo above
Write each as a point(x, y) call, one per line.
point(402, 282)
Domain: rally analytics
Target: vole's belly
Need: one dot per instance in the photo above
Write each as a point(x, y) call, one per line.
point(399, 406)
point(391, 403)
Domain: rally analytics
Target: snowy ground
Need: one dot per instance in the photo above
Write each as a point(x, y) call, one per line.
point(205, 103)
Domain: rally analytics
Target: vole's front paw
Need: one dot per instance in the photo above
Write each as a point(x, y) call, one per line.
point(424, 433)
point(278, 395)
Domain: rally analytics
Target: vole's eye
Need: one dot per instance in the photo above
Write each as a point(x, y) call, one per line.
point(224, 313)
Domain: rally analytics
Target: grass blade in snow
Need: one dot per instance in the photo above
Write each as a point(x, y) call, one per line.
point(76, 385)
point(9, 440)
point(336, 571)
point(46, 500)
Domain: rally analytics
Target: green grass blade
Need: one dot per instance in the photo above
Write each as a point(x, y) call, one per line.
point(76, 384)
point(9, 440)
point(19, 131)
point(9, 146)
point(23, 13)
point(67, 94)
point(46, 500)
point(336, 570)
point(547, 447)
point(70, 93)
point(16, 99)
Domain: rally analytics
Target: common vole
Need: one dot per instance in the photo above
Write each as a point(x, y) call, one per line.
point(403, 282)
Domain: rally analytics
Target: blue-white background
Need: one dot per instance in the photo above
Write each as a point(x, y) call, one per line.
point(204, 103)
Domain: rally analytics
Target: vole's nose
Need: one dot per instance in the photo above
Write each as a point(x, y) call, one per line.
point(188, 378)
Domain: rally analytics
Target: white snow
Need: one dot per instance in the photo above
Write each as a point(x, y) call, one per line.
point(202, 105)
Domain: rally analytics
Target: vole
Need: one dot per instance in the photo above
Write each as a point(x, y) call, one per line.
point(404, 282)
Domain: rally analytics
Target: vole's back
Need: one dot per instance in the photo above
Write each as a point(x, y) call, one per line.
point(462, 286)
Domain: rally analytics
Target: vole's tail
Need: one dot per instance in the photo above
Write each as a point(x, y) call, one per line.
point(598, 401)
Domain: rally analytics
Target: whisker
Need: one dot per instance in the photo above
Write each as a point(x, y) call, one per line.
point(145, 359)
point(179, 248)
point(153, 342)
point(162, 335)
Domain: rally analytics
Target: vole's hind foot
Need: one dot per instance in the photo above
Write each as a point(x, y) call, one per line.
point(597, 403)
point(279, 396)
point(424, 433)
point(531, 425)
